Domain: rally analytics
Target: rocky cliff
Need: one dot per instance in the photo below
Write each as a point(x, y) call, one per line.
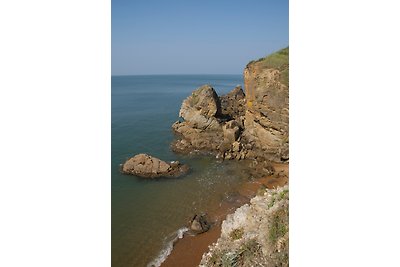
point(257, 234)
point(267, 114)
point(238, 125)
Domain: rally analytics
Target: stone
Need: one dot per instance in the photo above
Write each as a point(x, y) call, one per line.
point(231, 131)
point(235, 146)
point(199, 224)
point(144, 165)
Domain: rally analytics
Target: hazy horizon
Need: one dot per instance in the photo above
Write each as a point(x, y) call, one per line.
point(176, 74)
point(183, 37)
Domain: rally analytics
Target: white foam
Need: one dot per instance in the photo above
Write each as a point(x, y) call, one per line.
point(164, 253)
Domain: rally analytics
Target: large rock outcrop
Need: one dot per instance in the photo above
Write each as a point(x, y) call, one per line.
point(147, 166)
point(254, 125)
point(201, 128)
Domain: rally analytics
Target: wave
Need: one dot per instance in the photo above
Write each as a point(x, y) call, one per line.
point(168, 247)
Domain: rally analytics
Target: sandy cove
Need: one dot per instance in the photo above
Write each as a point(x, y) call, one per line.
point(189, 250)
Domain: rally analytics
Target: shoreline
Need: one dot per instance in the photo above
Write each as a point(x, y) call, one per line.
point(189, 250)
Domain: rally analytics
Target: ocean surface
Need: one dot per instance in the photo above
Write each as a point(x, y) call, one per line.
point(148, 215)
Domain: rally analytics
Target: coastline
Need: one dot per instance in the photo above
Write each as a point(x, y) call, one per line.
point(189, 250)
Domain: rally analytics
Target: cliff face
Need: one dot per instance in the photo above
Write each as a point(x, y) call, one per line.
point(266, 123)
point(252, 125)
point(255, 235)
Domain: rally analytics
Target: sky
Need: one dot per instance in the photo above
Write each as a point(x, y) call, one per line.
point(194, 37)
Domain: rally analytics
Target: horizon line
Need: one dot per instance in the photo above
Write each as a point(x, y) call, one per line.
point(165, 74)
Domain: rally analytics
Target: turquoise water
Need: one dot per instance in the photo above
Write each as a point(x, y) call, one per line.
point(147, 213)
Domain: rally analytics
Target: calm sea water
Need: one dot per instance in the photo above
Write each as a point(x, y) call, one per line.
point(146, 214)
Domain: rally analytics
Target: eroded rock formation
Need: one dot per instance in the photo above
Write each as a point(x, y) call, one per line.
point(254, 125)
point(201, 128)
point(147, 166)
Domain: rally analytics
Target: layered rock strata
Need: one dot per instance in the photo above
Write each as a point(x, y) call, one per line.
point(267, 113)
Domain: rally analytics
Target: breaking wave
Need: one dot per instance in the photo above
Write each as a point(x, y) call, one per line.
point(168, 247)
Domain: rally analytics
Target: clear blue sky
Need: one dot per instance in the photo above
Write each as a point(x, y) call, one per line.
point(195, 37)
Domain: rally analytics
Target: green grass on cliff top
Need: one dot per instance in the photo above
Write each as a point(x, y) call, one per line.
point(278, 60)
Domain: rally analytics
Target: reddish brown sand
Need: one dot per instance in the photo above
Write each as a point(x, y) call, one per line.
point(188, 251)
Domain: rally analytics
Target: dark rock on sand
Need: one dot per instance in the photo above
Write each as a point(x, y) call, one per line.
point(199, 224)
point(150, 167)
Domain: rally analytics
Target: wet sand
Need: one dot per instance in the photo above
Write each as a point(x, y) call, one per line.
point(188, 251)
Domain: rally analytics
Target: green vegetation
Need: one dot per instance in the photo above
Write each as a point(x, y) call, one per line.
point(283, 194)
point(277, 197)
point(243, 256)
point(271, 203)
point(236, 234)
point(278, 226)
point(230, 259)
point(278, 60)
point(249, 249)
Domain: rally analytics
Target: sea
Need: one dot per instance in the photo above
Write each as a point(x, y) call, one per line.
point(149, 215)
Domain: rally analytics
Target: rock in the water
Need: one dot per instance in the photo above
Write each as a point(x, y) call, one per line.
point(201, 128)
point(258, 121)
point(201, 108)
point(193, 139)
point(199, 224)
point(147, 166)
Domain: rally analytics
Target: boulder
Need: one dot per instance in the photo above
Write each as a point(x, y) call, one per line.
point(199, 224)
point(235, 146)
point(144, 165)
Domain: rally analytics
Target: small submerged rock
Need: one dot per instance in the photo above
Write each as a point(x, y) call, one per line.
point(147, 166)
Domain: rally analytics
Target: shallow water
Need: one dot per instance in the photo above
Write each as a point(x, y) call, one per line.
point(147, 213)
